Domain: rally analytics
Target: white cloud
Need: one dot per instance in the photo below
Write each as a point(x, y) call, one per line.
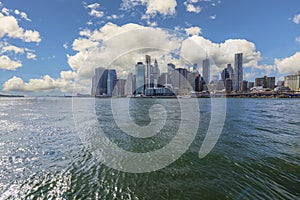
point(153, 7)
point(94, 12)
point(8, 64)
point(122, 46)
point(5, 11)
point(296, 19)
point(166, 7)
point(31, 56)
point(65, 45)
point(213, 17)
point(298, 39)
point(117, 45)
point(8, 48)
point(195, 48)
point(115, 17)
point(23, 15)
point(192, 8)
point(93, 6)
point(193, 30)
point(9, 26)
point(38, 85)
point(288, 65)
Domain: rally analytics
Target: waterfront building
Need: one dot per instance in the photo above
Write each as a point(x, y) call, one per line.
point(280, 83)
point(155, 73)
point(250, 85)
point(206, 70)
point(199, 83)
point(148, 71)
point(129, 87)
point(191, 77)
point(238, 71)
point(230, 71)
point(163, 79)
point(181, 78)
point(171, 74)
point(225, 74)
point(265, 82)
point(244, 86)
point(99, 82)
point(293, 82)
point(119, 88)
point(140, 70)
point(111, 80)
point(228, 85)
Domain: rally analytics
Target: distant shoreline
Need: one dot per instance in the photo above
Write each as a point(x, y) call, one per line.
point(11, 96)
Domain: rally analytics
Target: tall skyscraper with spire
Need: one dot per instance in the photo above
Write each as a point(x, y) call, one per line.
point(238, 71)
point(206, 70)
point(148, 71)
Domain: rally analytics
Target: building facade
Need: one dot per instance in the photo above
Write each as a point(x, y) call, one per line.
point(238, 71)
point(293, 82)
point(206, 70)
point(265, 82)
point(140, 71)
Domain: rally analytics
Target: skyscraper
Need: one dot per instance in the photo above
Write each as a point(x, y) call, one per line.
point(155, 73)
point(230, 71)
point(98, 83)
point(206, 70)
point(140, 78)
point(111, 80)
point(238, 71)
point(148, 71)
point(129, 86)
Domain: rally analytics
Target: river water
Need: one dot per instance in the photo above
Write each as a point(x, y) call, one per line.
point(43, 154)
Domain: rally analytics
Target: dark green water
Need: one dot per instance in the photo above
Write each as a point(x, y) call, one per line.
point(256, 157)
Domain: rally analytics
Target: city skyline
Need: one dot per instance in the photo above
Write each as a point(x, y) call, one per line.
point(42, 53)
point(148, 81)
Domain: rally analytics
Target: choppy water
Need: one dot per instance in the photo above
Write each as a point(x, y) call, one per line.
point(257, 156)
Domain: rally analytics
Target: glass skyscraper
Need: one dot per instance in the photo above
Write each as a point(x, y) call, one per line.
point(238, 71)
point(140, 70)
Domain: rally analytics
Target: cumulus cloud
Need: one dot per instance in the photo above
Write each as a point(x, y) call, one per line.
point(190, 6)
point(10, 27)
point(30, 55)
point(39, 85)
point(289, 65)
point(193, 30)
point(94, 10)
point(8, 64)
point(23, 15)
point(166, 7)
point(11, 48)
point(196, 47)
point(296, 19)
point(153, 7)
point(121, 46)
point(5, 11)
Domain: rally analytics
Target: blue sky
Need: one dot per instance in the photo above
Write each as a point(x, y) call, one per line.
point(271, 26)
